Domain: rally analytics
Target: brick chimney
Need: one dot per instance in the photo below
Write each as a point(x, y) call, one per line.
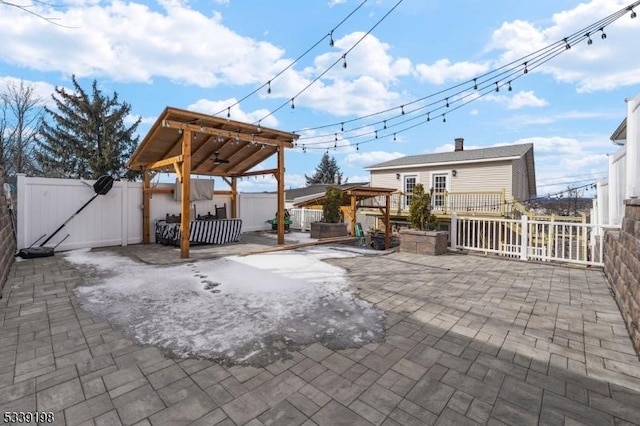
point(459, 144)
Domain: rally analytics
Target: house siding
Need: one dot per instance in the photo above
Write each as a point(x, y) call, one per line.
point(476, 177)
point(485, 177)
point(520, 180)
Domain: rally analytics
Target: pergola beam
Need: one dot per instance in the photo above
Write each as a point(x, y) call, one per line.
point(163, 163)
point(241, 136)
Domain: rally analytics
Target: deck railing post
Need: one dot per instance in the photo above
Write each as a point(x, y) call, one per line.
point(454, 231)
point(524, 238)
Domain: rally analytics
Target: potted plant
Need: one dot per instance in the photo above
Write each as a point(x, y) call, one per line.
point(422, 237)
point(331, 225)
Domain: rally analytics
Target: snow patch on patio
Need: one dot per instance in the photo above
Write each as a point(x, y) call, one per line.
point(251, 309)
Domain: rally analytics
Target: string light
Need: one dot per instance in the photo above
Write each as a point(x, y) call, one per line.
point(293, 105)
point(344, 61)
point(385, 125)
point(604, 35)
point(444, 118)
point(633, 13)
point(507, 75)
point(447, 100)
point(331, 42)
point(228, 112)
point(394, 137)
point(566, 44)
point(589, 41)
point(269, 87)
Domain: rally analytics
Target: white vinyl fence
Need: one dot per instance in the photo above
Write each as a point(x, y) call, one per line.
point(530, 239)
point(115, 218)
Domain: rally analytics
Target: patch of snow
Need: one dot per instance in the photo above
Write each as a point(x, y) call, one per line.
point(228, 307)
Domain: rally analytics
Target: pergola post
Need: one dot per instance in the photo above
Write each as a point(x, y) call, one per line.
point(353, 215)
point(185, 220)
point(146, 207)
point(234, 198)
point(280, 179)
point(387, 222)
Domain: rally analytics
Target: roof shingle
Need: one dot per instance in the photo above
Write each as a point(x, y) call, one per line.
point(496, 152)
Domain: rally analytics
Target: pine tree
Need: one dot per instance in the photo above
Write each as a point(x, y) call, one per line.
point(87, 136)
point(326, 172)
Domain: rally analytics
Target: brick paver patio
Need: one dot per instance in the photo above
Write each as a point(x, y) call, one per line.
point(470, 340)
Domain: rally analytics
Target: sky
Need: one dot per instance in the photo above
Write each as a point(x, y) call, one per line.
point(217, 57)
point(182, 308)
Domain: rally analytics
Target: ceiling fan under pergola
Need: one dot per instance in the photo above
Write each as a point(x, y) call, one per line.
point(218, 160)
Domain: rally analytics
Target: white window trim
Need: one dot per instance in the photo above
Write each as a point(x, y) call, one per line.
point(439, 172)
point(403, 177)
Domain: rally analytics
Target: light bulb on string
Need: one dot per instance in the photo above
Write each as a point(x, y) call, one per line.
point(402, 109)
point(228, 112)
point(335, 137)
point(428, 118)
point(447, 101)
point(633, 13)
point(331, 42)
point(342, 127)
point(259, 129)
point(510, 88)
point(269, 87)
point(344, 61)
point(357, 147)
point(566, 44)
point(497, 87)
point(394, 137)
point(376, 132)
point(603, 35)
point(589, 41)
point(385, 125)
point(293, 105)
point(475, 84)
point(444, 118)
point(526, 70)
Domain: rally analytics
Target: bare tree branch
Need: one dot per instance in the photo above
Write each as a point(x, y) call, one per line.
point(27, 8)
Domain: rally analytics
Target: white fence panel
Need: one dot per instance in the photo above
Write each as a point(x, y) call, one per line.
point(256, 209)
point(302, 218)
point(45, 204)
point(529, 239)
point(115, 218)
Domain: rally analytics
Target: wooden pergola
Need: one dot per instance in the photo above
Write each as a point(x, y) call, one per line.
point(188, 142)
point(351, 202)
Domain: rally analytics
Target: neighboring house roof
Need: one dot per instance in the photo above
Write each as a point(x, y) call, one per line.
point(315, 189)
point(470, 155)
point(620, 135)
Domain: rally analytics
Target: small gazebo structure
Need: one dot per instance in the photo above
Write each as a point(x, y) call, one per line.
point(354, 198)
point(190, 142)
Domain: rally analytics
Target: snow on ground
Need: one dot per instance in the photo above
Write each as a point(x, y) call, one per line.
point(250, 309)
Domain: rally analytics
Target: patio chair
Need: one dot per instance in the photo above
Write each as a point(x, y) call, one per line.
point(221, 212)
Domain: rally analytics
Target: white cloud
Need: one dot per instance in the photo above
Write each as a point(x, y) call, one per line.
point(604, 65)
point(443, 71)
point(41, 90)
point(370, 158)
point(336, 2)
point(205, 106)
point(519, 100)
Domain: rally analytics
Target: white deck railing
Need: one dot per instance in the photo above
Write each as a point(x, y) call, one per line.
point(530, 239)
point(301, 218)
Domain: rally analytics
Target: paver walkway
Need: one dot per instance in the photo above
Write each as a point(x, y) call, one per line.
point(471, 340)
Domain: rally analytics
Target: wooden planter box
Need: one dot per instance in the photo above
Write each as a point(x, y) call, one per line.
point(432, 243)
point(328, 230)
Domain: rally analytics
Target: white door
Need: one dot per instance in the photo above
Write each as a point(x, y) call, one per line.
point(409, 183)
point(439, 185)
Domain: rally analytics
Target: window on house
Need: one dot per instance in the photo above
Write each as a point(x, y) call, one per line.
point(439, 185)
point(409, 184)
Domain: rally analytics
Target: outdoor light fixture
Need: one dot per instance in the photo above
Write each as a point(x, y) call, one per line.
point(454, 173)
point(398, 176)
point(217, 159)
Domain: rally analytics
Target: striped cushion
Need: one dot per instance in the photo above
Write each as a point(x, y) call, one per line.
point(220, 231)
